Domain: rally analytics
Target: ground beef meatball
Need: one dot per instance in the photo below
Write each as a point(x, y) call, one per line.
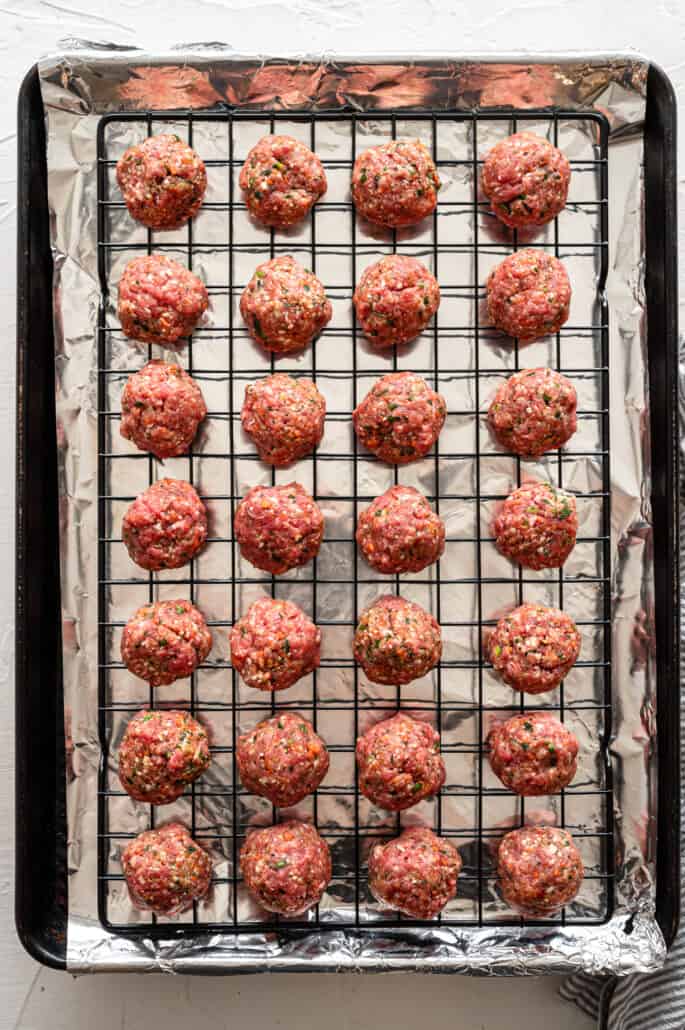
point(284, 417)
point(396, 641)
point(526, 179)
point(533, 412)
point(160, 754)
point(395, 300)
point(533, 754)
point(540, 870)
point(163, 182)
point(416, 873)
point(399, 762)
point(400, 418)
point(284, 306)
point(274, 645)
point(161, 408)
point(160, 301)
point(282, 759)
point(281, 180)
point(536, 526)
point(529, 294)
point(534, 647)
point(400, 532)
point(166, 525)
point(286, 867)
point(395, 183)
point(278, 527)
point(166, 870)
point(165, 641)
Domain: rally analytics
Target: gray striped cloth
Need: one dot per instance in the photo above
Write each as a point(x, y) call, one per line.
point(645, 1001)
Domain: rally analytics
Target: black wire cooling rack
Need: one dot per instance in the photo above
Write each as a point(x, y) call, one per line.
point(464, 358)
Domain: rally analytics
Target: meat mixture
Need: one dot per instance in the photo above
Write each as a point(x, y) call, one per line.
point(286, 867)
point(160, 301)
point(281, 180)
point(526, 180)
point(278, 527)
point(533, 412)
point(274, 645)
point(533, 754)
point(161, 409)
point(165, 641)
point(416, 873)
point(400, 418)
point(534, 647)
point(161, 752)
point(397, 641)
point(400, 532)
point(163, 182)
point(540, 870)
point(284, 417)
point(395, 300)
point(396, 183)
point(282, 759)
point(399, 763)
point(166, 870)
point(166, 525)
point(284, 306)
point(536, 526)
point(529, 295)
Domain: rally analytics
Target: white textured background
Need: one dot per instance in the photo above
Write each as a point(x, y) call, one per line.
point(36, 998)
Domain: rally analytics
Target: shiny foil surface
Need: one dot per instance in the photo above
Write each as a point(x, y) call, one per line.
point(79, 87)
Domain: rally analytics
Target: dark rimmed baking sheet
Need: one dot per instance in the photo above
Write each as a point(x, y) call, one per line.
point(425, 951)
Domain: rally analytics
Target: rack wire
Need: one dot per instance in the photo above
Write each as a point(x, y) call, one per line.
point(460, 355)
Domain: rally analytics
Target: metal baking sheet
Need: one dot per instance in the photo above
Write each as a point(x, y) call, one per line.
point(600, 237)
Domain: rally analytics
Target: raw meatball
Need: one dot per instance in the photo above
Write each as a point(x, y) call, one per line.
point(395, 300)
point(537, 526)
point(166, 870)
point(526, 179)
point(163, 182)
point(281, 179)
point(400, 418)
point(284, 306)
point(416, 873)
point(533, 412)
point(286, 867)
point(274, 645)
point(399, 532)
point(534, 647)
point(533, 754)
point(284, 417)
point(540, 870)
point(282, 759)
point(160, 754)
point(160, 301)
point(529, 294)
point(161, 408)
point(166, 525)
point(399, 762)
point(278, 527)
point(396, 183)
point(165, 641)
point(396, 641)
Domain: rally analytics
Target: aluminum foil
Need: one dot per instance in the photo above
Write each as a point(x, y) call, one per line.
point(87, 81)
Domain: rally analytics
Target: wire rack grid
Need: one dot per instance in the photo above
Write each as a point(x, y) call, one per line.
point(463, 357)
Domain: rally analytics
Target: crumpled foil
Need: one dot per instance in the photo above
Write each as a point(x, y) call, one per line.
point(87, 81)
